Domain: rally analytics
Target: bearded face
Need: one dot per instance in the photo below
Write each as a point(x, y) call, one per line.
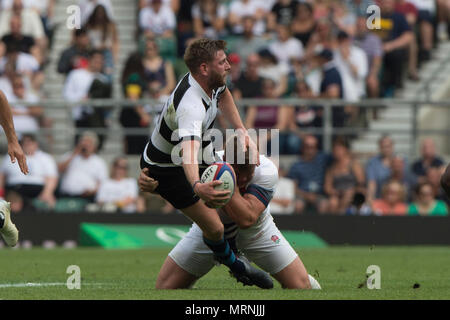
point(216, 79)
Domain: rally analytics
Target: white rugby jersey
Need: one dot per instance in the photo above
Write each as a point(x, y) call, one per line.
point(187, 115)
point(262, 186)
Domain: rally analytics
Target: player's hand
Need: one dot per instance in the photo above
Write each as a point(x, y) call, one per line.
point(15, 152)
point(147, 184)
point(211, 196)
point(248, 143)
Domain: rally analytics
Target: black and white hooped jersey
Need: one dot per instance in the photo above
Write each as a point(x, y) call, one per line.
point(187, 115)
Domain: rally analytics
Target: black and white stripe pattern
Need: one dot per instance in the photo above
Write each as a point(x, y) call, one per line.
point(188, 101)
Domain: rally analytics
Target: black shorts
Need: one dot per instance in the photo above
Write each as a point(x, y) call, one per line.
point(173, 185)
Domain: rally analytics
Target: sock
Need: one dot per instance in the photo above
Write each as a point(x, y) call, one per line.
point(225, 255)
point(232, 244)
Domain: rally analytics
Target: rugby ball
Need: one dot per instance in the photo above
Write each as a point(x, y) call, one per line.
point(221, 171)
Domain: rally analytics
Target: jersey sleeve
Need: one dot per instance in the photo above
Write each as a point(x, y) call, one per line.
point(190, 116)
point(263, 183)
point(262, 194)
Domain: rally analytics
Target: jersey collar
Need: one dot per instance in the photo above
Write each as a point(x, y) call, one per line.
point(199, 89)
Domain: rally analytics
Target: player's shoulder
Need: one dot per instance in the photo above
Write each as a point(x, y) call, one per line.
point(266, 174)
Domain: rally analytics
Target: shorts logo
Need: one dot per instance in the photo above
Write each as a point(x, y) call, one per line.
point(275, 239)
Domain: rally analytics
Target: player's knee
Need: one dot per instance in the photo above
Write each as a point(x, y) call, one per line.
point(215, 232)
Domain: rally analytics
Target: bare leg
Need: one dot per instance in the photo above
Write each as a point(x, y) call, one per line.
point(294, 276)
point(207, 219)
point(172, 276)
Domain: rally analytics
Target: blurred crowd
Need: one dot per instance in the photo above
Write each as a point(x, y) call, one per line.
point(316, 49)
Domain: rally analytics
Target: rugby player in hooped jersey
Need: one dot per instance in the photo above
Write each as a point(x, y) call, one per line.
point(186, 117)
point(249, 228)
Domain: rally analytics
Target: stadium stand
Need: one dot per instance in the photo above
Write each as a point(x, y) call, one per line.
point(278, 49)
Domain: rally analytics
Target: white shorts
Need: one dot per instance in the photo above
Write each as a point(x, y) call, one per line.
point(262, 244)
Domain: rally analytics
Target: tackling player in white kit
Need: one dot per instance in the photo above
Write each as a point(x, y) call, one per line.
point(249, 227)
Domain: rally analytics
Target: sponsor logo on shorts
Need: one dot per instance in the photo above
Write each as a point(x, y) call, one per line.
point(275, 239)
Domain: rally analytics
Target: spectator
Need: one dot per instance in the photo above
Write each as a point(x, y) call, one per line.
point(270, 68)
point(425, 203)
point(427, 12)
point(248, 43)
point(157, 20)
point(304, 116)
point(396, 35)
point(411, 14)
point(27, 119)
point(309, 173)
point(371, 44)
point(79, 87)
point(283, 200)
point(242, 8)
point(103, 36)
point(402, 175)
point(82, 170)
point(159, 74)
point(249, 84)
point(303, 24)
point(359, 206)
point(209, 17)
point(175, 5)
point(429, 159)
point(285, 47)
point(45, 9)
point(119, 190)
point(331, 86)
point(41, 181)
point(87, 8)
point(343, 179)
point(25, 65)
point(266, 117)
point(378, 168)
point(433, 177)
point(351, 62)
point(23, 43)
point(133, 117)
point(77, 55)
point(392, 201)
point(322, 38)
point(31, 23)
point(359, 7)
point(235, 70)
point(282, 12)
point(343, 19)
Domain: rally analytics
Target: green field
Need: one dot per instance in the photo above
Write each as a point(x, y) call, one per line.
point(131, 274)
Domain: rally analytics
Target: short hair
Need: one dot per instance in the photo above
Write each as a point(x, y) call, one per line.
point(384, 137)
point(94, 52)
point(91, 135)
point(341, 141)
point(233, 146)
point(201, 51)
point(80, 32)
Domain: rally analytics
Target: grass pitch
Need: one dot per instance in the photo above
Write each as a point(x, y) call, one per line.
point(406, 273)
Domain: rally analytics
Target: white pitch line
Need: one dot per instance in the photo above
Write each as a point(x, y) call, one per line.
point(44, 284)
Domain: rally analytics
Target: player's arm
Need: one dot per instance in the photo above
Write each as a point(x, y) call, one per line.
point(230, 111)
point(445, 181)
point(245, 209)
point(205, 191)
point(14, 149)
